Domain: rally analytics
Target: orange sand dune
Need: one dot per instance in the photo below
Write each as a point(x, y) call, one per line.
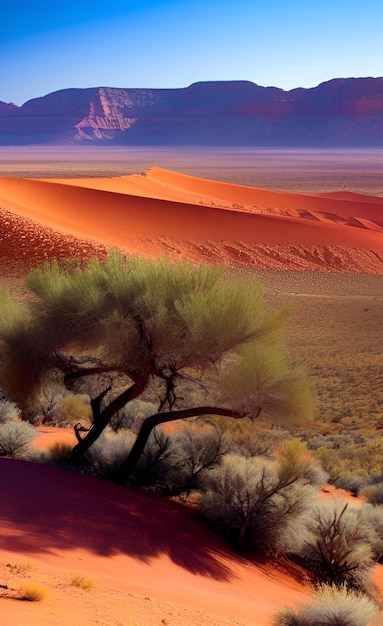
point(162, 212)
point(133, 543)
point(241, 194)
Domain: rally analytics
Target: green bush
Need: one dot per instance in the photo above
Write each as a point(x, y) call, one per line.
point(333, 606)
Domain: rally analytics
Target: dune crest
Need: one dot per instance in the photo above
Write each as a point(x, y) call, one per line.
point(163, 212)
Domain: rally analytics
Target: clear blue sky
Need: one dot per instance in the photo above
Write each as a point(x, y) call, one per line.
point(46, 46)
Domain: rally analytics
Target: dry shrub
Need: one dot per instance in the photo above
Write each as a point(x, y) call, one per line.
point(33, 592)
point(58, 453)
point(373, 493)
point(262, 504)
point(340, 549)
point(332, 606)
point(82, 582)
point(15, 438)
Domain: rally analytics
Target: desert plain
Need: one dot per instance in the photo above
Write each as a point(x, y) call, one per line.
point(310, 225)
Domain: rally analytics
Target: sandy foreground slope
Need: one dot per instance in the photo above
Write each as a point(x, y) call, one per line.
point(152, 561)
point(162, 212)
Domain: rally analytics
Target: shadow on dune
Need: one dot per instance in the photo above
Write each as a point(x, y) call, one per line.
point(44, 509)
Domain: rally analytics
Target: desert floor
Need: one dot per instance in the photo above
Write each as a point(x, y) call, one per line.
point(153, 562)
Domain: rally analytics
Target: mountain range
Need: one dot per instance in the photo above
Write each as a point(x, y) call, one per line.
point(345, 112)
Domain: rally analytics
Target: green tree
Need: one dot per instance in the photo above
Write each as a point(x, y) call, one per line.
point(192, 338)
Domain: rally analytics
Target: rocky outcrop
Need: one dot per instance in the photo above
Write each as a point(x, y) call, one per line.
point(340, 112)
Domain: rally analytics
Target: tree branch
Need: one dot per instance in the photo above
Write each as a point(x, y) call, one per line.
point(151, 422)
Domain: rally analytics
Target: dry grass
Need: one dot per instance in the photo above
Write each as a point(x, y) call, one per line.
point(33, 592)
point(336, 328)
point(82, 582)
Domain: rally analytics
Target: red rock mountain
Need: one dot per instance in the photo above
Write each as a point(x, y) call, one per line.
point(340, 112)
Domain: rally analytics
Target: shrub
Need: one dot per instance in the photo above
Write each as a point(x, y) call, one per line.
point(333, 606)
point(374, 516)
point(340, 548)
point(15, 438)
point(71, 409)
point(373, 493)
point(193, 453)
point(58, 454)
point(8, 410)
point(155, 463)
point(33, 592)
point(258, 503)
point(131, 416)
point(82, 582)
point(107, 453)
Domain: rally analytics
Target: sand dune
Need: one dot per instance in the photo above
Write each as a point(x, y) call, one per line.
point(165, 212)
point(152, 560)
point(167, 557)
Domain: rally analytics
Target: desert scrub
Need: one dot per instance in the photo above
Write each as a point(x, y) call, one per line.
point(82, 582)
point(352, 463)
point(332, 606)
point(15, 438)
point(262, 504)
point(8, 410)
point(340, 549)
point(21, 568)
point(33, 592)
point(373, 493)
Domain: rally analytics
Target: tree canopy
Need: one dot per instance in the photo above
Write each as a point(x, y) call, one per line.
point(195, 339)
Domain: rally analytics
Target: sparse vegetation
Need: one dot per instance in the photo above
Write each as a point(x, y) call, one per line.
point(33, 592)
point(259, 503)
point(340, 550)
point(197, 341)
point(15, 438)
point(82, 582)
point(332, 606)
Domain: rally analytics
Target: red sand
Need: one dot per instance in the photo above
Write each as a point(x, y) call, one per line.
point(132, 542)
point(165, 212)
point(153, 561)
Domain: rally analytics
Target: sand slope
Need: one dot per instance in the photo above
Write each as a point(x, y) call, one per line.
point(165, 212)
point(133, 543)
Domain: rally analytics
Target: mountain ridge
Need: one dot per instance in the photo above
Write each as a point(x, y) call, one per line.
point(343, 112)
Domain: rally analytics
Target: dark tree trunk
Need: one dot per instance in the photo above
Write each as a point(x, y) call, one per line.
point(127, 467)
point(102, 418)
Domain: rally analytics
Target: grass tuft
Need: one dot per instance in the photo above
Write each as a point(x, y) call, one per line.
point(82, 582)
point(33, 592)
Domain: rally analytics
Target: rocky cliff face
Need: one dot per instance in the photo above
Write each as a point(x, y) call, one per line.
point(341, 112)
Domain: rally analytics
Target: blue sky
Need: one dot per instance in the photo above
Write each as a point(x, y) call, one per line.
point(46, 46)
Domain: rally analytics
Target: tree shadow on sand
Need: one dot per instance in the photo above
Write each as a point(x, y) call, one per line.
point(44, 509)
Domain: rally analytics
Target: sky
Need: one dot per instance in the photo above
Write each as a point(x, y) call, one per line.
point(47, 46)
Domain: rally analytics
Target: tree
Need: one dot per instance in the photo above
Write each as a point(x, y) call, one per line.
point(194, 339)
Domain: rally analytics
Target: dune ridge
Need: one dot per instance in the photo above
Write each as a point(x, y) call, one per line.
point(163, 212)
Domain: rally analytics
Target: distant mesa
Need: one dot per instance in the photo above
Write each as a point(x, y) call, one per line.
point(338, 113)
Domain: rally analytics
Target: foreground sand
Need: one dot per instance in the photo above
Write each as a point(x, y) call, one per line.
point(152, 560)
